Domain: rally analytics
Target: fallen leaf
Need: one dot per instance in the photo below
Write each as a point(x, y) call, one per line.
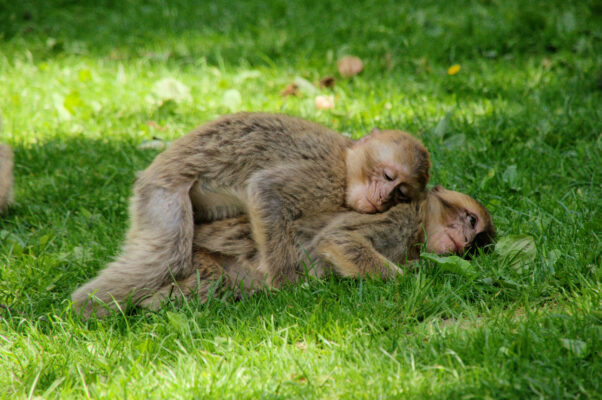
point(177, 321)
point(155, 125)
point(454, 69)
point(305, 86)
point(291, 90)
point(453, 264)
point(350, 66)
point(244, 75)
point(388, 61)
point(510, 176)
point(121, 76)
point(324, 102)
point(327, 82)
point(232, 99)
point(155, 144)
point(517, 249)
point(171, 89)
point(455, 141)
point(577, 347)
point(553, 256)
point(442, 127)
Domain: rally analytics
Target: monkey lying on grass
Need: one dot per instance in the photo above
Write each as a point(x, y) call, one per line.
point(276, 169)
point(349, 243)
point(6, 177)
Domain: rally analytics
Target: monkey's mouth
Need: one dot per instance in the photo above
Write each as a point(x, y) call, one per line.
point(374, 207)
point(456, 247)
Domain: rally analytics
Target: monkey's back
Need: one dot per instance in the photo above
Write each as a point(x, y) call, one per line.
point(233, 147)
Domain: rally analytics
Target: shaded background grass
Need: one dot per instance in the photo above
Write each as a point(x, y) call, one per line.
point(522, 135)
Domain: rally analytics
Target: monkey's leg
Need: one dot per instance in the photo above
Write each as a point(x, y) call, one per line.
point(276, 199)
point(352, 255)
point(157, 250)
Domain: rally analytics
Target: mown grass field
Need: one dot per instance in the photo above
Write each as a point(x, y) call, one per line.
point(79, 93)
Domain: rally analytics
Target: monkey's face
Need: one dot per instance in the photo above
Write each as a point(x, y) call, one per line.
point(391, 167)
point(456, 223)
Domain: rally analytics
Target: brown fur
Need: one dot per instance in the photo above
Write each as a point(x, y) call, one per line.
point(275, 168)
point(6, 177)
point(351, 244)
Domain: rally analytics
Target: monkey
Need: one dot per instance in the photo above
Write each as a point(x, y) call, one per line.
point(225, 255)
point(276, 169)
point(6, 177)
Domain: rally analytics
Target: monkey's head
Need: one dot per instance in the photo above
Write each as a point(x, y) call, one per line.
point(386, 168)
point(456, 223)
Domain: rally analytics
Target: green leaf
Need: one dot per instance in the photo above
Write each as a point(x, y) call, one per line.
point(510, 176)
point(177, 321)
point(442, 127)
point(455, 141)
point(305, 86)
point(171, 89)
point(553, 256)
point(232, 99)
point(453, 264)
point(577, 347)
point(517, 249)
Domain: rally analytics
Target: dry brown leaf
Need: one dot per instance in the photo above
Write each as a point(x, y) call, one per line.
point(324, 102)
point(350, 66)
point(327, 82)
point(388, 61)
point(291, 90)
point(155, 125)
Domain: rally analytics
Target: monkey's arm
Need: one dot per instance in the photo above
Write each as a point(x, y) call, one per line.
point(279, 196)
point(347, 243)
point(352, 255)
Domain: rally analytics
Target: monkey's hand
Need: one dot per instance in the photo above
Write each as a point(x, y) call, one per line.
point(352, 255)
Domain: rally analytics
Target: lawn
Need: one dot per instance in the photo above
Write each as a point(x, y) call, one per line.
point(83, 84)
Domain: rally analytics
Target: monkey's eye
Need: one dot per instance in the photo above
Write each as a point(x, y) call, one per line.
point(388, 177)
point(472, 220)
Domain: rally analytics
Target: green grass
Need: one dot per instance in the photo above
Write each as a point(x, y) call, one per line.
point(523, 136)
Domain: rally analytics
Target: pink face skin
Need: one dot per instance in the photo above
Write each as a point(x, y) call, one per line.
point(454, 235)
point(372, 195)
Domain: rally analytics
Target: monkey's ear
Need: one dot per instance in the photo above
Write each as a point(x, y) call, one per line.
point(366, 138)
point(437, 188)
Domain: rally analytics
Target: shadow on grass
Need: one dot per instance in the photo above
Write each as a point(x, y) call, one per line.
point(231, 33)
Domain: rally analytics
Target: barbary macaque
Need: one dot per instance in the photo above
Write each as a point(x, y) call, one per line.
point(276, 169)
point(6, 177)
point(349, 243)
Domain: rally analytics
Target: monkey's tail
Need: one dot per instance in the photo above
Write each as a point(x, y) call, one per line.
point(158, 251)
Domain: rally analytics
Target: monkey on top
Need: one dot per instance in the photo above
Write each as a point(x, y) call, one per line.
point(274, 168)
point(289, 177)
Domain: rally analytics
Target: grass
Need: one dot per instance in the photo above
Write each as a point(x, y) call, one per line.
point(522, 135)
